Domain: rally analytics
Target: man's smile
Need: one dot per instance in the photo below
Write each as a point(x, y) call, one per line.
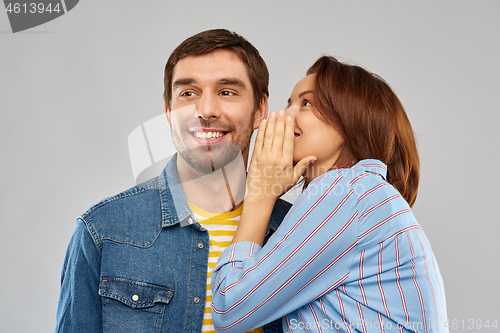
point(207, 135)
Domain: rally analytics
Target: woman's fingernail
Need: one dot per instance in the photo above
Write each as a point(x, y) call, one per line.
point(289, 118)
point(281, 113)
point(273, 114)
point(263, 121)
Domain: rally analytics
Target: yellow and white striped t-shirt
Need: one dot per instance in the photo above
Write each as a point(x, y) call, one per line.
point(221, 229)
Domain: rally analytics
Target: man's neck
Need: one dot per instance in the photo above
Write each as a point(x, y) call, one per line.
point(219, 191)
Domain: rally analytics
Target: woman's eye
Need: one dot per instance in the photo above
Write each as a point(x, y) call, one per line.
point(306, 103)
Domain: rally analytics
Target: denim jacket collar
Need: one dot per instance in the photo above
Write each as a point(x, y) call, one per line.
point(175, 208)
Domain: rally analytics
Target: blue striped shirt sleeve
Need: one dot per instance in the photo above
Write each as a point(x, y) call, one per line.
point(297, 265)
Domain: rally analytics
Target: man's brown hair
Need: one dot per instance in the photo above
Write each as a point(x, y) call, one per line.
point(371, 119)
point(211, 40)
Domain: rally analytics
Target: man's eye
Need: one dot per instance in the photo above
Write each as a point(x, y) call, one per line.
point(188, 94)
point(227, 93)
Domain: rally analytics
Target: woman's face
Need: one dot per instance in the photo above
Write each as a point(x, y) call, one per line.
point(312, 135)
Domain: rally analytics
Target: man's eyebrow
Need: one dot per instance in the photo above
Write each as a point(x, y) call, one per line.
point(231, 81)
point(305, 92)
point(183, 82)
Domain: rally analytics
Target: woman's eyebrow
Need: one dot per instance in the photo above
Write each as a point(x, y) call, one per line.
point(305, 92)
point(300, 95)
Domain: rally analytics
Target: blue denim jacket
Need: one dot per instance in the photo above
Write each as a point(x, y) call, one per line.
point(137, 262)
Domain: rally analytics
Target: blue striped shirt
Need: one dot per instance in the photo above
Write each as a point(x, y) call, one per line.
point(348, 257)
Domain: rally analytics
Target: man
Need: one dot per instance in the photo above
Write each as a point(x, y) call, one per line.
point(138, 261)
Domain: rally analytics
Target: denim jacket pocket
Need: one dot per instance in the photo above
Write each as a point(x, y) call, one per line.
point(132, 305)
point(135, 294)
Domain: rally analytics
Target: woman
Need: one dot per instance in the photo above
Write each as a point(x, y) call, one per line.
point(349, 256)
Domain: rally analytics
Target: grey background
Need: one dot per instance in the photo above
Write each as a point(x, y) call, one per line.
point(73, 89)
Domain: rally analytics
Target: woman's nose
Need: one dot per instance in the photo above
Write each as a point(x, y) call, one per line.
point(291, 110)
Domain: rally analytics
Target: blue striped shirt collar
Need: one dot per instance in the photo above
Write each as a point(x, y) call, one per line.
point(372, 166)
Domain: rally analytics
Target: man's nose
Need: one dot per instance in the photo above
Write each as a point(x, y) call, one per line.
point(207, 107)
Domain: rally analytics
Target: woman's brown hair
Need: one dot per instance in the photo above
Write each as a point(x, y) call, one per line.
point(371, 119)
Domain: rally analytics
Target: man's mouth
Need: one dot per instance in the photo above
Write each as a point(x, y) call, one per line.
point(208, 136)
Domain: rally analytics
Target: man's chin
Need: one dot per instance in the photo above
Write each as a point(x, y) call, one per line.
point(207, 159)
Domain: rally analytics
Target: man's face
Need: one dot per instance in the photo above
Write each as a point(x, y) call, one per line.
point(212, 113)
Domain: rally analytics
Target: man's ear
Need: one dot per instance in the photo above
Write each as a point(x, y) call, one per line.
point(167, 113)
point(261, 112)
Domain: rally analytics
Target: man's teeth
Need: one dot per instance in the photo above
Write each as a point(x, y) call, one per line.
point(208, 135)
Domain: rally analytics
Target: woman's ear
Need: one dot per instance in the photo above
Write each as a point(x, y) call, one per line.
point(261, 112)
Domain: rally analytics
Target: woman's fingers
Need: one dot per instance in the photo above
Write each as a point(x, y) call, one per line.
point(277, 137)
point(301, 167)
point(259, 140)
point(269, 134)
point(289, 140)
point(279, 133)
point(273, 157)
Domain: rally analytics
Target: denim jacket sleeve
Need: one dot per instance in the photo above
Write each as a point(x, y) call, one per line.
point(79, 308)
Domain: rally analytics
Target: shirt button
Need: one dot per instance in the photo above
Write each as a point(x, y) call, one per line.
point(135, 298)
point(200, 245)
point(196, 300)
point(190, 221)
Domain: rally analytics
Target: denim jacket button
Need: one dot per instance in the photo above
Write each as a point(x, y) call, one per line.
point(200, 245)
point(196, 300)
point(135, 298)
point(190, 221)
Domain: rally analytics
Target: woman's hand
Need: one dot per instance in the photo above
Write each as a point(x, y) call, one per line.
point(270, 175)
point(271, 171)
